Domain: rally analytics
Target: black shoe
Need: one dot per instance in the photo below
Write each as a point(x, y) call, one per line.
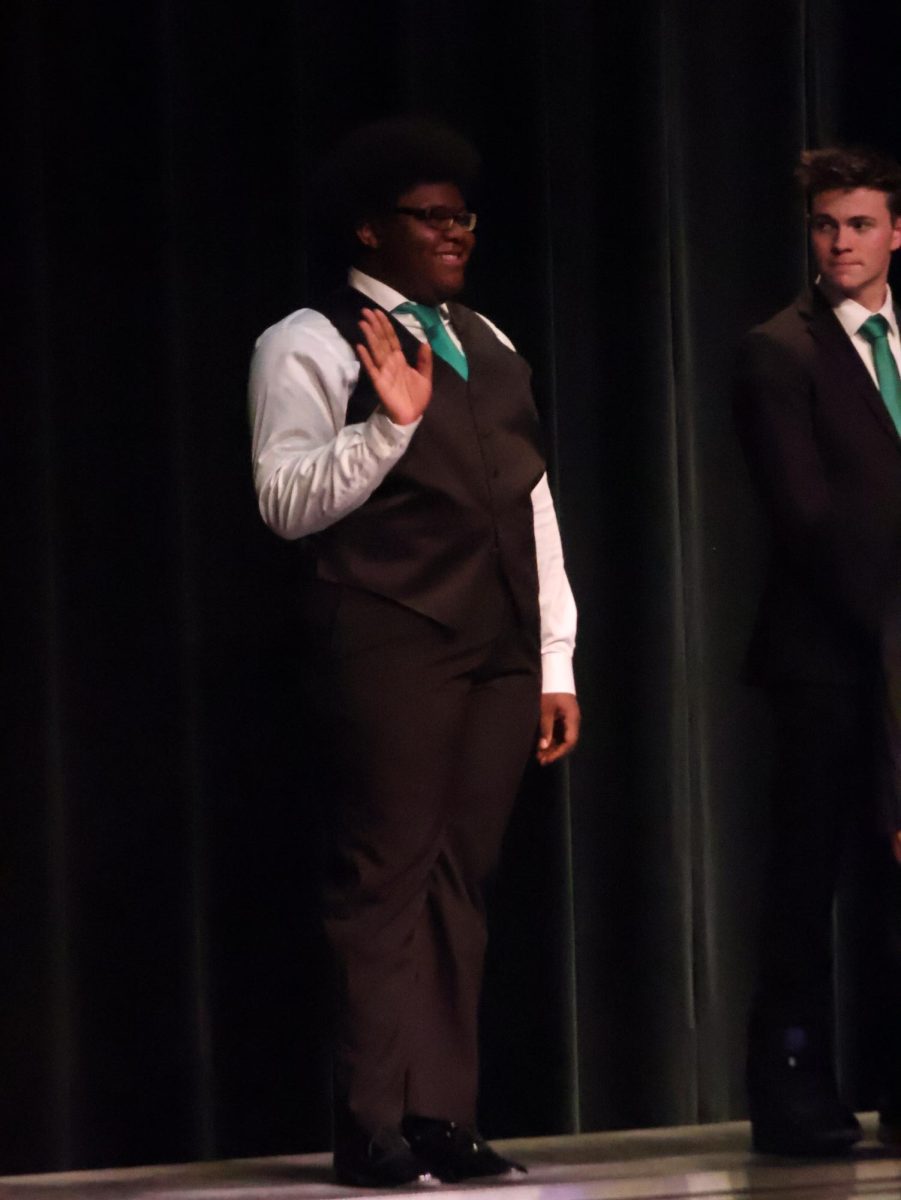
point(794, 1102)
point(822, 1133)
point(453, 1152)
point(383, 1160)
point(889, 1131)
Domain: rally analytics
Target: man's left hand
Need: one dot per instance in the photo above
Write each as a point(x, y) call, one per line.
point(558, 726)
point(896, 846)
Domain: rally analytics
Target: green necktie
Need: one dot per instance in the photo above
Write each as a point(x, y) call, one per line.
point(438, 337)
point(875, 330)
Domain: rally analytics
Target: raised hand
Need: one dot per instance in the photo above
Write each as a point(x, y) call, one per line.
point(404, 390)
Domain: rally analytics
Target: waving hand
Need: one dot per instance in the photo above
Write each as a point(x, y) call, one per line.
point(404, 390)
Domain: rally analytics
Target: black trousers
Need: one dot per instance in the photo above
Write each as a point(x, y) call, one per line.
point(428, 732)
point(824, 812)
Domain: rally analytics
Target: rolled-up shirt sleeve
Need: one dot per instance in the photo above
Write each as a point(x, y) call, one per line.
point(310, 469)
point(555, 599)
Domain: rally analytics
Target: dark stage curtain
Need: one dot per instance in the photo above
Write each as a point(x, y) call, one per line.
point(164, 988)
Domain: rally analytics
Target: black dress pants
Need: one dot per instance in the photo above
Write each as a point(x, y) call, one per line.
point(428, 731)
point(824, 805)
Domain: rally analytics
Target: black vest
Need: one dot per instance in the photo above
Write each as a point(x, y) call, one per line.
point(454, 514)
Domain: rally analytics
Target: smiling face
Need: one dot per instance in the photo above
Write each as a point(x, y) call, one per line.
point(424, 264)
point(853, 235)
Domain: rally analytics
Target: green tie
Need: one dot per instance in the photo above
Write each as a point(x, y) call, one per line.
point(438, 337)
point(875, 330)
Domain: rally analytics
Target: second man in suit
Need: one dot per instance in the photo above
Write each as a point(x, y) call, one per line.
point(818, 408)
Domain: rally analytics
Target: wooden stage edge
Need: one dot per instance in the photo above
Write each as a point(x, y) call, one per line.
point(710, 1161)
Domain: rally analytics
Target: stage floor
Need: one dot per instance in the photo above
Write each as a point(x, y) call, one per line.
point(710, 1161)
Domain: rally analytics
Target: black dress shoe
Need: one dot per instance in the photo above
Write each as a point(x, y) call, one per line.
point(453, 1152)
point(794, 1102)
point(801, 1114)
point(819, 1134)
point(383, 1160)
point(889, 1130)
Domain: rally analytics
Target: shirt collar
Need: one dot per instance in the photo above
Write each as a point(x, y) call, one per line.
point(382, 293)
point(852, 315)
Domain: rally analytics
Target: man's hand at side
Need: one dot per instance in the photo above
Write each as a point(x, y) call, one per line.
point(896, 846)
point(558, 726)
point(404, 391)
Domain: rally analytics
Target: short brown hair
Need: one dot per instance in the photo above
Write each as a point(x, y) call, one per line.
point(849, 167)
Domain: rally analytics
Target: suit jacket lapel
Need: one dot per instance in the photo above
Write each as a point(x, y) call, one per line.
point(830, 336)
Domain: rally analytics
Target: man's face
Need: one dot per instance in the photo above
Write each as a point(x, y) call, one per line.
point(425, 264)
point(853, 234)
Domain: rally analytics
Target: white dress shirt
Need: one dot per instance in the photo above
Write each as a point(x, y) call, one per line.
point(310, 469)
point(852, 315)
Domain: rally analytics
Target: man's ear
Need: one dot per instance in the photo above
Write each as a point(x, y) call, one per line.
point(368, 235)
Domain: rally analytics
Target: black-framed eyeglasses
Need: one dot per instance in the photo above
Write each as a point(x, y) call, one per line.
point(437, 216)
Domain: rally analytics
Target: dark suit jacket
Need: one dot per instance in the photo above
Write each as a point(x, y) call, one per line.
point(825, 459)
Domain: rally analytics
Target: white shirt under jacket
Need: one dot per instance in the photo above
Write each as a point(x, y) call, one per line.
point(310, 469)
point(852, 315)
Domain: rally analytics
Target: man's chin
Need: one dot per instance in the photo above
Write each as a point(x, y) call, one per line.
point(841, 287)
point(438, 293)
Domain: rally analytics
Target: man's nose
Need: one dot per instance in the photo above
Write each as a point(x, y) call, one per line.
point(842, 240)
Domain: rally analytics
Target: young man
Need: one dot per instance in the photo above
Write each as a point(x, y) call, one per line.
point(438, 604)
point(818, 407)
